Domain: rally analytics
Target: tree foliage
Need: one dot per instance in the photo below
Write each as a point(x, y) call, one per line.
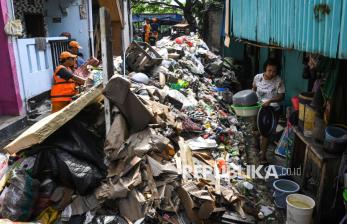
point(140, 8)
point(192, 10)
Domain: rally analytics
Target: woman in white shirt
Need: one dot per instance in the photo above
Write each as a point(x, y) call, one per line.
point(270, 90)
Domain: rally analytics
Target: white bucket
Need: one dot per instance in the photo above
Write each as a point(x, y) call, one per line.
point(299, 209)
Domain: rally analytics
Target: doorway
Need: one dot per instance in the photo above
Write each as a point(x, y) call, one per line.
point(34, 24)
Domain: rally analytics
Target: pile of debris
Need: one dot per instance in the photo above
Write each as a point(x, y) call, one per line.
point(174, 152)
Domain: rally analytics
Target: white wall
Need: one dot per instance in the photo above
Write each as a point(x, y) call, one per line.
point(70, 23)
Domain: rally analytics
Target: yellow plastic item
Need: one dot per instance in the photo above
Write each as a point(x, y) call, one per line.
point(309, 121)
point(49, 216)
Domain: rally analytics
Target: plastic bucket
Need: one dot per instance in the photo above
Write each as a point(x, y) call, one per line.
point(295, 102)
point(281, 172)
point(246, 111)
point(299, 209)
point(283, 188)
point(304, 99)
point(335, 139)
point(310, 114)
point(335, 134)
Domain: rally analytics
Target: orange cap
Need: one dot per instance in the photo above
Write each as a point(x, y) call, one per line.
point(65, 55)
point(75, 44)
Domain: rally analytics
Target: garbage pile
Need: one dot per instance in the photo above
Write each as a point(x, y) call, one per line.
point(174, 152)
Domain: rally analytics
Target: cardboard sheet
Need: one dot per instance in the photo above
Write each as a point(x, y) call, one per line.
point(39, 131)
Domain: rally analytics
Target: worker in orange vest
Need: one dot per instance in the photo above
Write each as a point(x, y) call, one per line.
point(64, 82)
point(147, 30)
point(74, 48)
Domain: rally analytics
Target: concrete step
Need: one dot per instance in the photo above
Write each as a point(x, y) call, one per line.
point(11, 127)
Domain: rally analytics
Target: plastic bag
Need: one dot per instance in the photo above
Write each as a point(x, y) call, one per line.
point(14, 28)
point(3, 164)
point(72, 157)
point(47, 188)
point(7, 221)
point(20, 196)
point(104, 219)
point(48, 216)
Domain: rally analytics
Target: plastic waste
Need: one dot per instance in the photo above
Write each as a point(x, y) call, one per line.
point(104, 219)
point(46, 190)
point(3, 164)
point(140, 78)
point(48, 216)
point(72, 157)
point(20, 196)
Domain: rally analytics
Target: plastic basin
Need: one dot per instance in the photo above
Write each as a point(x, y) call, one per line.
point(246, 111)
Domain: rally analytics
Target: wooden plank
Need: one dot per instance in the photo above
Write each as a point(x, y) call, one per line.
point(116, 38)
point(298, 155)
point(97, 45)
point(114, 9)
point(321, 188)
point(42, 129)
point(96, 37)
point(304, 168)
point(107, 58)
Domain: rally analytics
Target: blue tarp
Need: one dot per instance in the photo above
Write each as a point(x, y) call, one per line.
point(172, 17)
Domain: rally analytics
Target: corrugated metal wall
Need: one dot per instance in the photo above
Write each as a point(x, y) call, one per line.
point(317, 26)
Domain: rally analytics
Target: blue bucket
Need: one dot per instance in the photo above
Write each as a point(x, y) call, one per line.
point(281, 172)
point(283, 188)
point(335, 134)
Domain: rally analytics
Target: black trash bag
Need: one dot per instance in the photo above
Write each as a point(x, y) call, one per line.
point(20, 197)
point(98, 219)
point(108, 219)
point(44, 196)
point(71, 156)
point(77, 219)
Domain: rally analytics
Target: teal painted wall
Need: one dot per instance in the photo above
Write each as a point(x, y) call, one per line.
point(294, 24)
point(235, 50)
point(292, 68)
point(263, 54)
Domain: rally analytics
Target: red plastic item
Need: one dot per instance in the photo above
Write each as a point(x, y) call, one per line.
point(295, 102)
point(222, 165)
point(183, 39)
point(222, 138)
point(179, 40)
point(205, 136)
point(190, 44)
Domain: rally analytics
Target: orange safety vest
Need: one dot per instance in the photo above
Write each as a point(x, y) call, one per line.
point(62, 90)
point(147, 28)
